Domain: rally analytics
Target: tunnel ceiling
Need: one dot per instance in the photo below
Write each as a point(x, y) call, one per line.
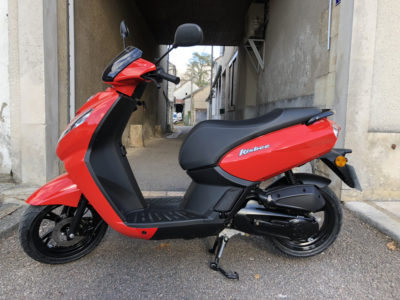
point(222, 21)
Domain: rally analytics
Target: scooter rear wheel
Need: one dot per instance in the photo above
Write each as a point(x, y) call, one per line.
point(43, 233)
point(331, 221)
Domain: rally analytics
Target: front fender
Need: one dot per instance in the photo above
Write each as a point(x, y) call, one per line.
point(60, 191)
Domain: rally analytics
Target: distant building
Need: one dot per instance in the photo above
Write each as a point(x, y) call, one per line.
point(196, 112)
point(181, 92)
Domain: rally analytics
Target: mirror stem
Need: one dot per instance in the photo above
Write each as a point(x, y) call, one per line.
point(124, 42)
point(165, 54)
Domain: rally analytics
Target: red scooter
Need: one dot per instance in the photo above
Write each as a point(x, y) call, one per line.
point(226, 160)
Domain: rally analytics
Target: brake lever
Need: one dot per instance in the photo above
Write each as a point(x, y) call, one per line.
point(154, 81)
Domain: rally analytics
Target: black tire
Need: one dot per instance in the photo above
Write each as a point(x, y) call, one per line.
point(44, 248)
point(327, 234)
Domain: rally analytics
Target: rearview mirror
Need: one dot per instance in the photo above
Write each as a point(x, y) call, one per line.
point(124, 31)
point(187, 35)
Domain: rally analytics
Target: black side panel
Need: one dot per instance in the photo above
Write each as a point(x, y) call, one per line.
point(228, 199)
point(107, 163)
point(200, 199)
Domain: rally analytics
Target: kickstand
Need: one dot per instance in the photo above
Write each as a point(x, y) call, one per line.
point(219, 246)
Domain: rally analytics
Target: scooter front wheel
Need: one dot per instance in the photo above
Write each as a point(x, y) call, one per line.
point(43, 233)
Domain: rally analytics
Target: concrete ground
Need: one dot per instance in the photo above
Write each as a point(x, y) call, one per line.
point(362, 263)
point(156, 166)
point(359, 265)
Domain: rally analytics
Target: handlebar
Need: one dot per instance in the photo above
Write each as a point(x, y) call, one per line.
point(160, 74)
point(168, 77)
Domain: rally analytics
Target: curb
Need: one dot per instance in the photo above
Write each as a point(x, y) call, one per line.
point(10, 222)
point(12, 206)
point(384, 222)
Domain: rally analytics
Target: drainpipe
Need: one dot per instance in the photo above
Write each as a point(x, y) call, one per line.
point(168, 126)
point(71, 50)
point(329, 25)
point(191, 101)
point(211, 83)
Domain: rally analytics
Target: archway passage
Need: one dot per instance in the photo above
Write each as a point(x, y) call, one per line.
point(222, 21)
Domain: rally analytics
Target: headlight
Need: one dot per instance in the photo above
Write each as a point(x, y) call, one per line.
point(81, 119)
point(76, 123)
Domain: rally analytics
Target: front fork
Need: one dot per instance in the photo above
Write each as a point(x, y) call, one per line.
point(80, 210)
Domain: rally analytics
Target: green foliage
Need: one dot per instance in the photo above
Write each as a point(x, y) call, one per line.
point(199, 68)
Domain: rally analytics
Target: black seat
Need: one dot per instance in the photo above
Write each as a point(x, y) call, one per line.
point(209, 140)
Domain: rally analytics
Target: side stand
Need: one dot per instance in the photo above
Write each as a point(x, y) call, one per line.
point(218, 248)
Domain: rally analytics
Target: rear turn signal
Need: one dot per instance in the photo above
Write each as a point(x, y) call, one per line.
point(340, 161)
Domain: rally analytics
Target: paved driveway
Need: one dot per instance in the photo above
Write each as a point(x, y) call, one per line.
point(357, 266)
point(156, 167)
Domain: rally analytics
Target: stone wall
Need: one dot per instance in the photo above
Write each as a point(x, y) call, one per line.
point(295, 54)
point(33, 77)
point(97, 42)
point(5, 123)
point(373, 103)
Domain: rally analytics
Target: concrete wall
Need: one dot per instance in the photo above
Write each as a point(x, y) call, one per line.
point(63, 64)
point(373, 126)
point(296, 62)
point(33, 89)
point(295, 53)
point(97, 42)
point(5, 123)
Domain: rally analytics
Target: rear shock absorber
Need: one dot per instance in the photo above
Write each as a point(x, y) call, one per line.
point(290, 177)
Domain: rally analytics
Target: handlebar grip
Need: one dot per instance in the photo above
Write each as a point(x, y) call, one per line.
point(169, 77)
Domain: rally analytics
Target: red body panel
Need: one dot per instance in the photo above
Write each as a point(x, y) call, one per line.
point(127, 80)
point(72, 150)
point(276, 152)
point(61, 190)
point(286, 149)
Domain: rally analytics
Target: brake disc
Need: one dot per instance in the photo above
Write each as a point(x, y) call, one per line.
point(59, 234)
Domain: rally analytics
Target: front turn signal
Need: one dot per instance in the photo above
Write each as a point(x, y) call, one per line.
point(340, 161)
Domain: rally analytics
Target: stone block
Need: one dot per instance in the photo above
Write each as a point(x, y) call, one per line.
point(324, 91)
point(157, 131)
point(320, 91)
point(136, 136)
point(335, 20)
point(333, 54)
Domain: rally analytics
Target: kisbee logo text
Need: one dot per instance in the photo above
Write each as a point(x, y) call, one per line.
point(251, 150)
